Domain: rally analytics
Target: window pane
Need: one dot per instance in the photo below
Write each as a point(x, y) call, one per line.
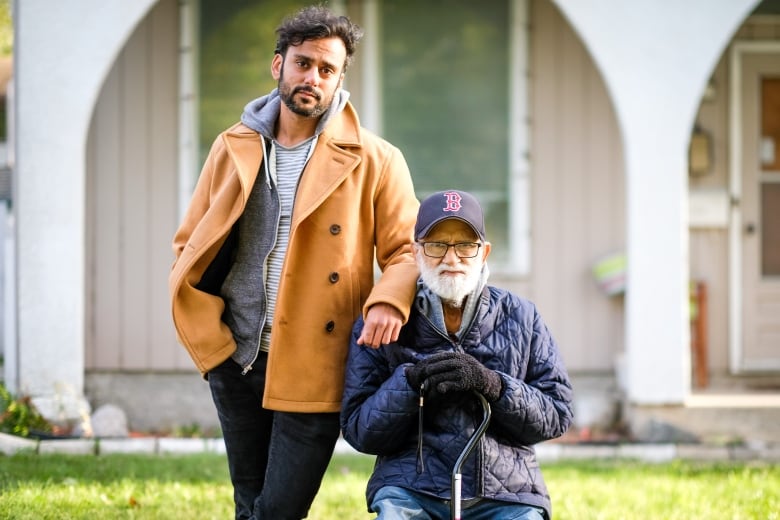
point(445, 77)
point(770, 124)
point(770, 229)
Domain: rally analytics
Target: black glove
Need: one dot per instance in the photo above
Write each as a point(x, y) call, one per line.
point(415, 374)
point(457, 372)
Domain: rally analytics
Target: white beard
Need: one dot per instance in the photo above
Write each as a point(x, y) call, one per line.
point(452, 289)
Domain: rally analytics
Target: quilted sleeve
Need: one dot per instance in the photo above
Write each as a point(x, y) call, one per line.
point(536, 404)
point(379, 408)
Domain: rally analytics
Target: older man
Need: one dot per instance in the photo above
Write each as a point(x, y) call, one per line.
point(463, 336)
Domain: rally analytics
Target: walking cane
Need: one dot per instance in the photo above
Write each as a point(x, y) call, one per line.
point(473, 440)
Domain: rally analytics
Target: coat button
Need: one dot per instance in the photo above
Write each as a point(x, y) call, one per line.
point(330, 326)
point(335, 229)
point(334, 277)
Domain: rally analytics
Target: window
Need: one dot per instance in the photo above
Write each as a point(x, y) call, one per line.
point(445, 81)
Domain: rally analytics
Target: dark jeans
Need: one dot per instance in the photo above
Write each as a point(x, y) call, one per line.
point(395, 503)
point(276, 459)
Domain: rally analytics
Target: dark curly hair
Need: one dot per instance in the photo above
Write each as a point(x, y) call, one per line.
point(314, 23)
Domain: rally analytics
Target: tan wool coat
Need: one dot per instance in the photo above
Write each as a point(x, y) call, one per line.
point(355, 208)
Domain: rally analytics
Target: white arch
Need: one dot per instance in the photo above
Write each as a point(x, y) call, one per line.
point(656, 57)
point(63, 53)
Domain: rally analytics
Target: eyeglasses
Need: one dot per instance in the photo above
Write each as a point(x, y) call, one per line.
point(462, 249)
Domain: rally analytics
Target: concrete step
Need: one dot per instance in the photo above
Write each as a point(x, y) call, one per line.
point(719, 418)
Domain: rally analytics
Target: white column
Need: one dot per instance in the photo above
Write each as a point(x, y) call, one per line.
point(63, 51)
point(656, 57)
point(520, 140)
point(371, 67)
point(189, 51)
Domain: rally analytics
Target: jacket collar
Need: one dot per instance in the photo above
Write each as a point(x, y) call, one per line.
point(335, 155)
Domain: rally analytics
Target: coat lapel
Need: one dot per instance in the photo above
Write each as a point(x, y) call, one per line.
point(330, 163)
point(245, 148)
point(325, 171)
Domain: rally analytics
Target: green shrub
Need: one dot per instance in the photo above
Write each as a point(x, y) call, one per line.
point(18, 416)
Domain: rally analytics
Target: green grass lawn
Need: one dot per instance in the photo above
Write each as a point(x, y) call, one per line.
point(197, 487)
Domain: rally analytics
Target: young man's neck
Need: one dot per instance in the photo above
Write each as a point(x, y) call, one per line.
point(292, 128)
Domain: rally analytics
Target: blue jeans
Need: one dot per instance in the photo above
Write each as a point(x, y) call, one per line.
point(276, 459)
point(396, 503)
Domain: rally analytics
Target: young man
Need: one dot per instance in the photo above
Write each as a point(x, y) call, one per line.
point(275, 261)
point(412, 403)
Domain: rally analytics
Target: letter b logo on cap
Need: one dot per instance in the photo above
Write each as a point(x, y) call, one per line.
point(453, 201)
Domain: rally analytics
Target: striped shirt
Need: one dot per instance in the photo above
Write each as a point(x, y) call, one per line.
point(286, 166)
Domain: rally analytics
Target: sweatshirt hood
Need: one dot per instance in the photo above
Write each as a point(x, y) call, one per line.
point(261, 114)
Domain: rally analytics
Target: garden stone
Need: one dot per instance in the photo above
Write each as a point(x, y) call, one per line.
point(654, 431)
point(107, 421)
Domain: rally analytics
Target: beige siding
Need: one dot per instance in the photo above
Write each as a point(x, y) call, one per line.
point(709, 263)
point(709, 246)
point(131, 191)
point(578, 193)
point(766, 27)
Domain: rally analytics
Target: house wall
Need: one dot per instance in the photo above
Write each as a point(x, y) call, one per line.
point(578, 211)
point(131, 211)
point(578, 193)
point(577, 196)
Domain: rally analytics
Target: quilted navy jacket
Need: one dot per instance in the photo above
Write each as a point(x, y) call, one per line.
point(380, 409)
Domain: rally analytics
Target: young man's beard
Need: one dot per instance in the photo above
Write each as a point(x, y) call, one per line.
point(287, 92)
point(452, 289)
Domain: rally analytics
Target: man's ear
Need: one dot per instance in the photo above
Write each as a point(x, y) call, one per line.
point(485, 250)
point(276, 66)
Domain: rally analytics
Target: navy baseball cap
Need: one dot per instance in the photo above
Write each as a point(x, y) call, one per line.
point(444, 205)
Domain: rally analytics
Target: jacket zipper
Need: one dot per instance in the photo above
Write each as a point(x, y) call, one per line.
point(479, 480)
point(456, 345)
point(271, 179)
point(272, 185)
